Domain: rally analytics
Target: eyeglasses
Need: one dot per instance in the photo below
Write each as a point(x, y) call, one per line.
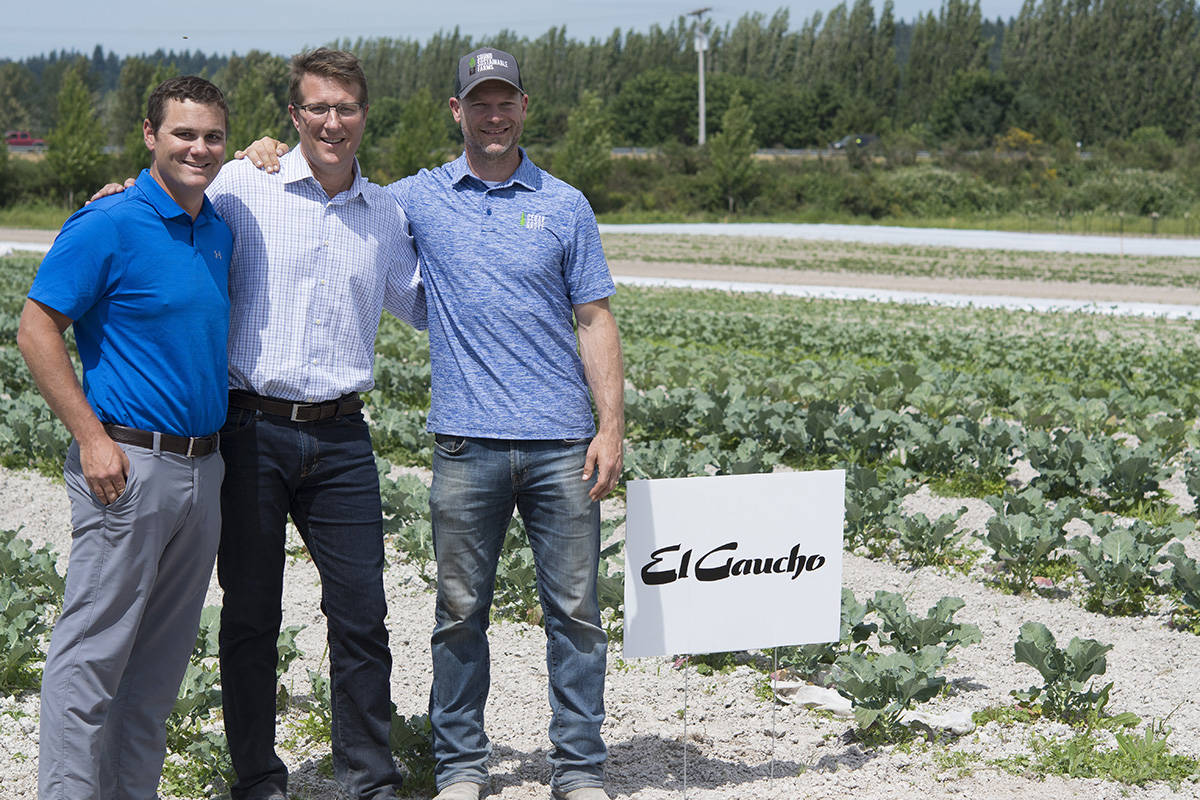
point(344, 110)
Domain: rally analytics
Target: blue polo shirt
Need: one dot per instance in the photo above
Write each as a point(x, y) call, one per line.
point(147, 289)
point(503, 267)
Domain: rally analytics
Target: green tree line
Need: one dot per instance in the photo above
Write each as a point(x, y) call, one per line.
point(1099, 72)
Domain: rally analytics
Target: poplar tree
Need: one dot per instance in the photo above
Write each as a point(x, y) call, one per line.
point(73, 147)
point(586, 158)
point(731, 172)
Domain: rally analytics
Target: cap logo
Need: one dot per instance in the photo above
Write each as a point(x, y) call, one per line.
point(484, 62)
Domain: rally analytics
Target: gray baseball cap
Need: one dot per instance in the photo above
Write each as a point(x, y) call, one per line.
point(486, 64)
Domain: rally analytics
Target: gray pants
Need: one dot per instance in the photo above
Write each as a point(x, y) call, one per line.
point(136, 582)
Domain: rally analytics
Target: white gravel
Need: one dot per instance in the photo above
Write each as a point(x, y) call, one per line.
point(737, 745)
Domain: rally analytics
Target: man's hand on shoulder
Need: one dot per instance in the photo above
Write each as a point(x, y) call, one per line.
point(264, 153)
point(605, 457)
point(112, 188)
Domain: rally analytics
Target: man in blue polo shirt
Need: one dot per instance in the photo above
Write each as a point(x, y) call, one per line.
point(143, 278)
point(512, 264)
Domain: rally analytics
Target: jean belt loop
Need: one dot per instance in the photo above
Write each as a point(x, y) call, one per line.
point(157, 443)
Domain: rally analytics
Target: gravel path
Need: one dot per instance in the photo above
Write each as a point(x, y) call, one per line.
point(737, 744)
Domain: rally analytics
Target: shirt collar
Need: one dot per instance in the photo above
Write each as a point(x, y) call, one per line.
point(293, 166)
point(527, 173)
point(164, 204)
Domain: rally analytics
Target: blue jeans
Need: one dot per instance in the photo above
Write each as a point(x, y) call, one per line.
point(322, 474)
point(476, 484)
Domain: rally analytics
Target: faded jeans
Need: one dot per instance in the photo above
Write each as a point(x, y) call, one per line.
point(476, 485)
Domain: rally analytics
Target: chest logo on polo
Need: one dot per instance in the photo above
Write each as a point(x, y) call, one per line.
point(218, 255)
point(534, 222)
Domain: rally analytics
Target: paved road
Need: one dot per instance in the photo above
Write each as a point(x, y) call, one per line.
point(1048, 304)
point(935, 237)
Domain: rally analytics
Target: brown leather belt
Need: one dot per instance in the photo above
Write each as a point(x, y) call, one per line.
point(297, 412)
point(190, 446)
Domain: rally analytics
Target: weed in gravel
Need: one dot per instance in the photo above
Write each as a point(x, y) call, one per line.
point(1136, 760)
point(968, 484)
point(961, 764)
point(1007, 715)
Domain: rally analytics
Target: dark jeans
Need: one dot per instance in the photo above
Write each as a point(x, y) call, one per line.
point(322, 474)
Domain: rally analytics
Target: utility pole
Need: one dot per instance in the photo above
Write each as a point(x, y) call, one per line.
point(701, 45)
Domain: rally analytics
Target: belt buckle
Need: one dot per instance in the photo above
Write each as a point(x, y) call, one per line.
point(191, 444)
point(295, 411)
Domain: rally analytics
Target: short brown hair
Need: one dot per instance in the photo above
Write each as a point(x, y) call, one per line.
point(185, 87)
point(340, 65)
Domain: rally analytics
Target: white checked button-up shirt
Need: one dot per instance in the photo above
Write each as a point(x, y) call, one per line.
point(309, 277)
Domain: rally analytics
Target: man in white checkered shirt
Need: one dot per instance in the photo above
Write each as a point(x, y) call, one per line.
point(318, 252)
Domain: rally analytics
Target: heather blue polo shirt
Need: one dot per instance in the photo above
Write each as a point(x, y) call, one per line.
point(503, 268)
point(147, 289)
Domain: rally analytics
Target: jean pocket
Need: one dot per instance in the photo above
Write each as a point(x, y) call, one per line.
point(355, 420)
point(449, 445)
point(238, 420)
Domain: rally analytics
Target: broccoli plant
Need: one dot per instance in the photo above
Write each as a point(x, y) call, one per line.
point(1131, 475)
point(1065, 693)
point(909, 633)
point(1183, 575)
point(883, 687)
point(30, 595)
point(869, 503)
point(810, 660)
point(1120, 567)
point(926, 541)
point(1024, 532)
point(1191, 475)
point(1068, 463)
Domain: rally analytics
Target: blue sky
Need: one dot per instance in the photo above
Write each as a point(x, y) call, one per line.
point(129, 26)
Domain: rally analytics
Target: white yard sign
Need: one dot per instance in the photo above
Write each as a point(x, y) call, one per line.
point(735, 562)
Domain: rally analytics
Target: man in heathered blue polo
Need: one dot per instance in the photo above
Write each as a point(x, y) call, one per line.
point(511, 258)
point(143, 279)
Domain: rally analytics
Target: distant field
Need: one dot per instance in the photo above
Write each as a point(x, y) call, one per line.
point(939, 262)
